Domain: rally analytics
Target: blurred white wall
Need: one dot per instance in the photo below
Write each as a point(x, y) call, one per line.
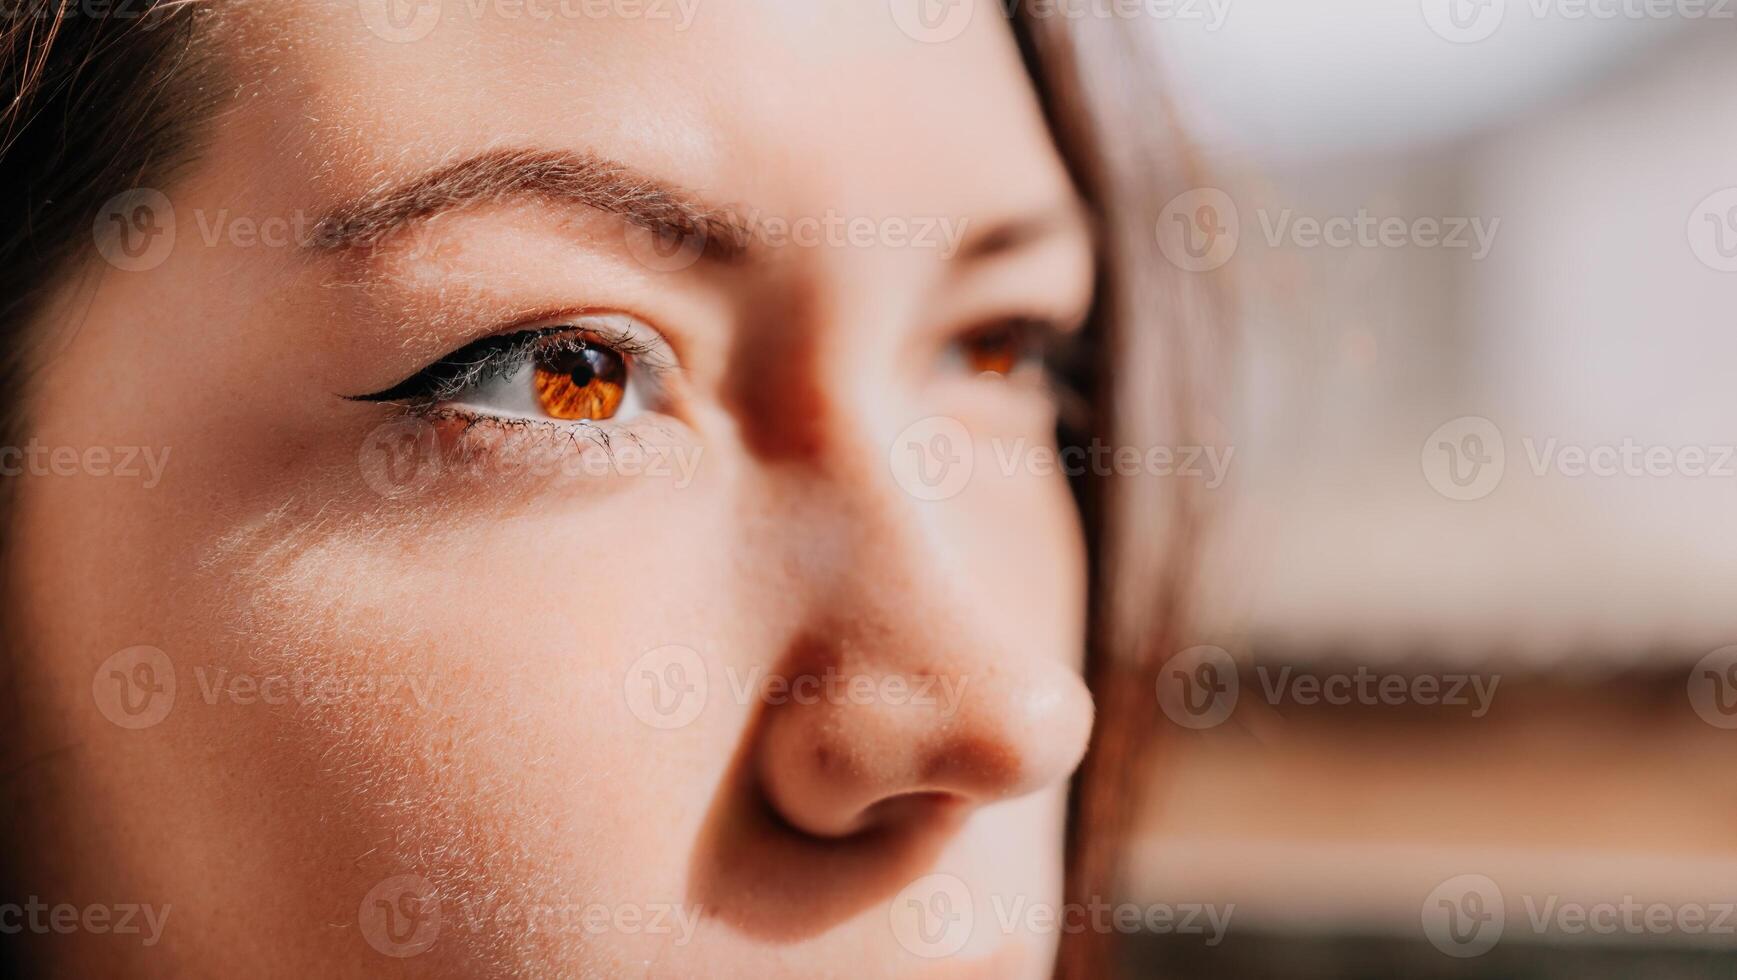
point(1585, 147)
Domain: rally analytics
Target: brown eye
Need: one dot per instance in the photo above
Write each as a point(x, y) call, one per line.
point(585, 382)
point(995, 350)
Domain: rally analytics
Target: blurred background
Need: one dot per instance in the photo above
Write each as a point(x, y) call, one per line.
point(1464, 703)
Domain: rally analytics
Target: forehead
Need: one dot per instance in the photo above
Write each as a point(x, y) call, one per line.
point(797, 106)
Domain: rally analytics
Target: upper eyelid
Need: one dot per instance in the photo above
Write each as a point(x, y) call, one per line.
point(1049, 334)
point(499, 350)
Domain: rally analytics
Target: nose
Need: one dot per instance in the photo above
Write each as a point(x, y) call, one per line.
point(849, 762)
point(911, 705)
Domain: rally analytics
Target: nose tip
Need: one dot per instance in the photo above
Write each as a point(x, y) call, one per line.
point(894, 749)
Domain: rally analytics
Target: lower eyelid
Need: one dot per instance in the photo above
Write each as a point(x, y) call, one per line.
point(470, 417)
point(485, 446)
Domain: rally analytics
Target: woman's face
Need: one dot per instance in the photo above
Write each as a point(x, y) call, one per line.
point(692, 597)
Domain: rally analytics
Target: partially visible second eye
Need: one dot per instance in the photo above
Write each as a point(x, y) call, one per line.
point(590, 369)
point(1006, 348)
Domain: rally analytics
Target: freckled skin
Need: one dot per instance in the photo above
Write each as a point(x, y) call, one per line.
point(520, 772)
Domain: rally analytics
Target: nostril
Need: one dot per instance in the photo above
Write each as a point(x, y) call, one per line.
point(835, 767)
point(982, 764)
point(931, 806)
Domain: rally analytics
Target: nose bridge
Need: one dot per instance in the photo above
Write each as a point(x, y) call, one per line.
point(870, 559)
point(809, 365)
point(903, 693)
point(886, 587)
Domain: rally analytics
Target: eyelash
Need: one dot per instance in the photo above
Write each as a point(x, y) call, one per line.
point(506, 354)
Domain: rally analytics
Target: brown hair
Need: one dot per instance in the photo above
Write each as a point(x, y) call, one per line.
point(108, 95)
point(102, 96)
point(1158, 336)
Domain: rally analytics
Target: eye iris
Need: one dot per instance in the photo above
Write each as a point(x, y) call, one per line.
point(994, 351)
point(586, 383)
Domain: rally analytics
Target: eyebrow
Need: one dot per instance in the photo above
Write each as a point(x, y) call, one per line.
point(1014, 234)
point(611, 187)
point(583, 179)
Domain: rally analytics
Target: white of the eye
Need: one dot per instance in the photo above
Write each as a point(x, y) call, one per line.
point(513, 394)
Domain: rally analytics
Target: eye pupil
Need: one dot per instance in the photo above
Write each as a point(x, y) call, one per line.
point(585, 382)
point(996, 350)
point(583, 372)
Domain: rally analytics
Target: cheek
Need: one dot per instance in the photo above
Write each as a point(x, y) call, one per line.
point(502, 758)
